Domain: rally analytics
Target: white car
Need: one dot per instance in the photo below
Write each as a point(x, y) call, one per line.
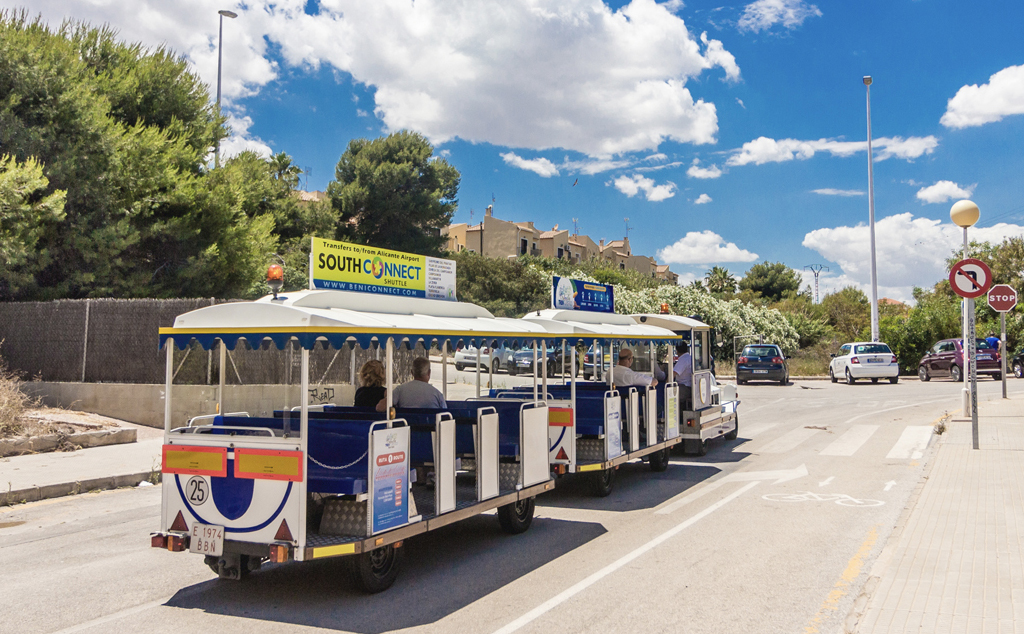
point(466, 358)
point(864, 360)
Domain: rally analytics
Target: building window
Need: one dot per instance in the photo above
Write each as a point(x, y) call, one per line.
point(622, 265)
point(561, 252)
point(522, 246)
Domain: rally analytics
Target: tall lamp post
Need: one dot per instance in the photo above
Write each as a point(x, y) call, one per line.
point(220, 57)
point(871, 219)
point(965, 213)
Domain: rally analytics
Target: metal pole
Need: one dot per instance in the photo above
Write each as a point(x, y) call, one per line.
point(1002, 349)
point(390, 376)
point(490, 369)
point(965, 392)
point(85, 338)
point(871, 216)
point(222, 351)
point(444, 370)
point(971, 345)
point(534, 370)
point(168, 381)
point(478, 370)
point(544, 371)
point(220, 57)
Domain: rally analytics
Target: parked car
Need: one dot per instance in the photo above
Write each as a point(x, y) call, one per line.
point(762, 362)
point(522, 360)
point(466, 357)
point(946, 358)
point(864, 360)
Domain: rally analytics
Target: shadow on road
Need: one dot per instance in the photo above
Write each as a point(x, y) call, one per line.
point(443, 572)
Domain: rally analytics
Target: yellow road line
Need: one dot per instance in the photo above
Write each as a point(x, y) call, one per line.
point(842, 587)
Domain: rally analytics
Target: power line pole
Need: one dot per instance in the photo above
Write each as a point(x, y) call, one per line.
point(628, 228)
point(575, 226)
point(816, 269)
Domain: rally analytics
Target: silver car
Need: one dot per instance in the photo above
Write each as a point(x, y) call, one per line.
point(499, 358)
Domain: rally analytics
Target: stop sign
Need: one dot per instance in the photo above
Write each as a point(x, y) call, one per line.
point(1002, 298)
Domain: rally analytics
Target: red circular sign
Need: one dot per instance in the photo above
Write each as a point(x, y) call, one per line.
point(970, 278)
point(1002, 298)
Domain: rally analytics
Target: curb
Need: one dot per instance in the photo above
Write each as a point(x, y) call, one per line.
point(49, 442)
point(34, 494)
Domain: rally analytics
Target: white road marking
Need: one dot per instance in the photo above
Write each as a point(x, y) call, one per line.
point(851, 441)
point(827, 481)
point(754, 409)
point(890, 484)
point(889, 409)
point(788, 441)
point(912, 443)
point(569, 593)
point(111, 617)
point(784, 475)
point(753, 431)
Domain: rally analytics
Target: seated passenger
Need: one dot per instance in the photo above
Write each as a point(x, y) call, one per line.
point(371, 379)
point(623, 376)
point(418, 392)
point(683, 368)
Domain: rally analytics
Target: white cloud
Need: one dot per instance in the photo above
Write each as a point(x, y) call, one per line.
point(828, 191)
point(740, 101)
point(240, 140)
point(696, 171)
point(909, 251)
point(704, 247)
point(654, 158)
point(589, 167)
point(540, 166)
point(703, 199)
point(632, 185)
point(764, 14)
point(656, 168)
point(942, 191)
point(976, 105)
point(361, 113)
point(765, 150)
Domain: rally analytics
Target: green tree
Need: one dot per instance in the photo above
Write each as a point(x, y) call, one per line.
point(507, 288)
point(392, 193)
point(719, 280)
point(771, 280)
point(25, 215)
point(848, 311)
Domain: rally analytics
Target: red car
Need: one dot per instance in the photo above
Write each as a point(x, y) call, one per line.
point(946, 358)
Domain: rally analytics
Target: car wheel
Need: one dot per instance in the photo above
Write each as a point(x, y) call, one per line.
point(732, 435)
point(874, 380)
point(922, 373)
point(849, 377)
point(956, 374)
point(460, 367)
point(894, 380)
point(784, 380)
point(832, 376)
point(1018, 370)
point(494, 366)
point(997, 376)
point(512, 370)
point(741, 382)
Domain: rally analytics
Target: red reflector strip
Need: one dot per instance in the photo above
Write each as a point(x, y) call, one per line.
point(158, 541)
point(560, 417)
point(268, 464)
point(207, 461)
point(279, 553)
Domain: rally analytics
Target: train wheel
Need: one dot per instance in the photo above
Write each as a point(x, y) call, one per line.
point(659, 460)
point(376, 570)
point(603, 482)
point(515, 518)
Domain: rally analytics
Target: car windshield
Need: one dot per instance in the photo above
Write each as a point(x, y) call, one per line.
point(872, 348)
point(983, 345)
point(760, 351)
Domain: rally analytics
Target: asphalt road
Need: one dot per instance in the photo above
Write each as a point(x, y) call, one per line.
point(773, 532)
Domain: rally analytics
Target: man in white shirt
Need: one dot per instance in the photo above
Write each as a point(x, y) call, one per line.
point(683, 368)
point(623, 376)
point(418, 392)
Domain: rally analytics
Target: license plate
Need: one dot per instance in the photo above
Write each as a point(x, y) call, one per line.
point(875, 360)
point(984, 357)
point(207, 539)
point(760, 371)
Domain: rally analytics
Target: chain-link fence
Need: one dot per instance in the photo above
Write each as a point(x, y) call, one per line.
point(116, 341)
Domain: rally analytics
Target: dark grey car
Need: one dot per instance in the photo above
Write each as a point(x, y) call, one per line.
point(762, 362)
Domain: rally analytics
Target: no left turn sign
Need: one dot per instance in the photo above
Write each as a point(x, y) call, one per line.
point(970, 278)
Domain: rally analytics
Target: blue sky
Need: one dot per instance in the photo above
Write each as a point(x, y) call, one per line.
point(727, 133)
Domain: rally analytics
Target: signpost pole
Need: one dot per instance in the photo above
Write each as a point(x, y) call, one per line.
point(973, 365)
point(1002, 349)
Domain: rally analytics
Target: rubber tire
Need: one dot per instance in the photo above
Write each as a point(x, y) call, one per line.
point(894, 380)
point(849, 377)
point(922, 373)
point(516, 518)
point(602, 482)
point(998, 376)
point(659, 460)
point(512, 370)
point(956, 374)
point(703, 446)
point(1018, 370)
point(495, 366)
point(784, 382)
point(832, 376)
point(460, 367)
point(377, 570)
point(736, 431)
point(740, 382)
point(874, 380)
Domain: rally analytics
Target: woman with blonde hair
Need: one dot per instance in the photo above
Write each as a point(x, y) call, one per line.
point(371, 380)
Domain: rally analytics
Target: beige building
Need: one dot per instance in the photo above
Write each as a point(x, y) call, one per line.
point(496, 238)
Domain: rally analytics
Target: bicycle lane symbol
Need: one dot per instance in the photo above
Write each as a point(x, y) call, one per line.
point(807, 496)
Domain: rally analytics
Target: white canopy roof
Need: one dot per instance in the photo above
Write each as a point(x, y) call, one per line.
point(675, 323)
point(599, 325)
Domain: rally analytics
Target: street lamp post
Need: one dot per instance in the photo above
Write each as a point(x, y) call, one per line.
point(871, 218)
point(220, 57)
point(965, 214)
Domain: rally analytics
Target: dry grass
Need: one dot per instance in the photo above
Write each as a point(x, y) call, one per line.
point(812, 361)
point(13, 403)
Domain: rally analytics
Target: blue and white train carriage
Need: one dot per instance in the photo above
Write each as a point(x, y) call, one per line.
point(277, 479)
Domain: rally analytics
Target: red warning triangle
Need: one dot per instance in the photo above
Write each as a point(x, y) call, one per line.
point(283, 534)
point(179, 524)
point(561, 455)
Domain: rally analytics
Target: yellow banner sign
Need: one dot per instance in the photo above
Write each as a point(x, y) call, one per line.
point(352, 267)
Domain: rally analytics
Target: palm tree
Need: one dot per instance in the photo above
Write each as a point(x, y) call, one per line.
point(284, 170)
point(720, 280)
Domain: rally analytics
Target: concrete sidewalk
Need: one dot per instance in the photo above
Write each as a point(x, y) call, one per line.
point(956, 562)
point(48, 475)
